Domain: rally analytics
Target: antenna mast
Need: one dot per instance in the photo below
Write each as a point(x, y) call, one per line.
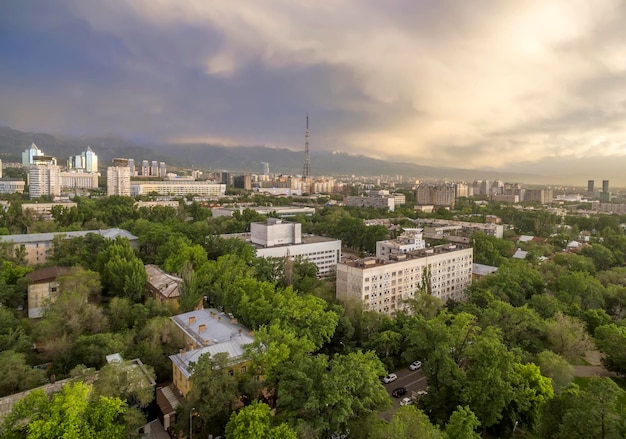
point(307, 163)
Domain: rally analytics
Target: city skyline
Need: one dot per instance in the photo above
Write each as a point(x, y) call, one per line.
point(532, 87)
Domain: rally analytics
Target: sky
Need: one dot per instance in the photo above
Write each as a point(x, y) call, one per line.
point(523, 85)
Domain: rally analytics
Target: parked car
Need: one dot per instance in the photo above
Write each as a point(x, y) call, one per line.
point(390, 378)
point(397, 393)
point(415, 365)
point(406, 401)
point(421, 393)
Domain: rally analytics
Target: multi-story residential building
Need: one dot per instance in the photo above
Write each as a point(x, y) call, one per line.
point(145, 168)
point(163, 203)
point(43, 289)
point(118, 178)
point(163, 287)
point(44, 180)
point(619, 208)
point(131, 165)
point(154, 168)
point(439, 195)
point(178, 188)
point(208, 331)
point(12, 186)
point(441, 228)
point(503, 198)
point(543, 196)
point(409, 241)
point(280, 211)
point(281, 239)
point(43, 211)
point(38, 247)
point(384, 286)
point(385, 201)
point(162, 169)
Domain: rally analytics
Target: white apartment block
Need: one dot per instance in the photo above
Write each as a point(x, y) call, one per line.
point(384, 286)
point(118, 181)
point(441, 228)
point(377, 201)
point(44, 210)
point(410, 240)
point(280, 239)
point(179, 188)
point(79, 180)
point(12, 186)
point(281, 211)
point(44, 180)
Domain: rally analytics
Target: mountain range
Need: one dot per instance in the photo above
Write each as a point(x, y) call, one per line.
point(239, 158)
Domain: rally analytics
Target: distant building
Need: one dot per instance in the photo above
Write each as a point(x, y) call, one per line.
point(208, 331)
point(590, 184)
point(87, 161)
point(480, 271)
point(131, 165)
point(30, 156)
point(43, 211)
point(163, 287)
point(162, 169)
point(410, 240)
point(145, 168)
point(44, 289)
point(377, 201)
point(12, 186)
point(38, 247)
point(77, 179)
point(265, 168)
point(605, 185)
point(44, 180)
point(280, 211)
point(118, 178)
point(543, 196)
point(601, 207)
point(384, 286)
point(438, 195)
point(280, 239)
point(178, 188)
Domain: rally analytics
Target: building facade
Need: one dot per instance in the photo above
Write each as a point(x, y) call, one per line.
point(79, 180)
point(163, 287)
point(118, 181)
point(12, 186)
point(410, 240)
point(384, 286)
point(178, 188)
point(377, 201)
point(44, 180)
point(208, 331)
point(438, 195)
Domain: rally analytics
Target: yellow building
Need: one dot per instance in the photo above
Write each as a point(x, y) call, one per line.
point(163, 287)
point(208, 331)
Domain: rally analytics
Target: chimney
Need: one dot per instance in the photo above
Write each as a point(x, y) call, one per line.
point(202, 328)
point(192, 320)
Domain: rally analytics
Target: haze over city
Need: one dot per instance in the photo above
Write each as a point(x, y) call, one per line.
point(531, 86)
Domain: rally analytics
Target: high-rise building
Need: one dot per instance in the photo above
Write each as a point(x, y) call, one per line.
point(225, 178)
point(131, 165)
point(118, 178)
point(145, 168)
point(44, 180)
point(28, 156)
point(590, 184)
point(162, 169)
point(86, 161)
point(265, 168)
point(605, 185)
point(154, 168)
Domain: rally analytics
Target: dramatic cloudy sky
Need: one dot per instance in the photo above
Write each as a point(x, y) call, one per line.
point(472, 84)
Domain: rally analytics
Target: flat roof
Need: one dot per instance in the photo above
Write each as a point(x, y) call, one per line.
point(39, 237)
point(306, 239)
point(416, 254)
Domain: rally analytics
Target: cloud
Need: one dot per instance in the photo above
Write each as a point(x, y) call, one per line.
point(465, 84)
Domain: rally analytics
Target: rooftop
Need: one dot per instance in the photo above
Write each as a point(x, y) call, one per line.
point(416, 254)
point(165, 284)
point(306, 239)
point(39, 237)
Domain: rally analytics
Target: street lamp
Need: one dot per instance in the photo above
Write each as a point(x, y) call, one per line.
point(193, 409)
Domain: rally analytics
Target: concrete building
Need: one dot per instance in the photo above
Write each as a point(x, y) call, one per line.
point(280, 239)
point(118, 180)
point(163, 287)
point(600, 207)
point(590, 186)
point(163, 203)
point(76, 179)
point(44, 180)
point(438, 195)
point(30, 156)
point(43, 289)
point(503, 198)
point(377, 201)
point(409, 241)
point(543, 196)
point(38, 247)
point(441, 228)
point(281, 211)
point(178, 188)
point(12, 186)
point(384, 286)
point(43, 211)
point(208, 331)
point(86, 161)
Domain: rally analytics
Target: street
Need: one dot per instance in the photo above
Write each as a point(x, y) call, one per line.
point(413, 380)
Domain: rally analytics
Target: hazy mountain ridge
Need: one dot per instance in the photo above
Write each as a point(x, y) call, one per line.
point(237, 158)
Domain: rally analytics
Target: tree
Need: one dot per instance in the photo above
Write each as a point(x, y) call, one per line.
point(122, 272)
point(555, 367)
point(254, 422)
point(69, 414)
point(406, 423)
point(17, 375)
point(567, 336)
point(610, 339)
point(190, 295)
point(462, 424)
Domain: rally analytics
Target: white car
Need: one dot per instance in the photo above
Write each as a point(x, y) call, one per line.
point(406, 401)
point(415, 365)
point(390, 378)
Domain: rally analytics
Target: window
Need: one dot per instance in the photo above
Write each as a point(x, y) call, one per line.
point(243, 369)
point(231, 373)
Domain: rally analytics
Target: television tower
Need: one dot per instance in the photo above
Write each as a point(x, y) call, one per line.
point(306, 172)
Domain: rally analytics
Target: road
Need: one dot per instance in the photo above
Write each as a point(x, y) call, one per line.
point(413, 380)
